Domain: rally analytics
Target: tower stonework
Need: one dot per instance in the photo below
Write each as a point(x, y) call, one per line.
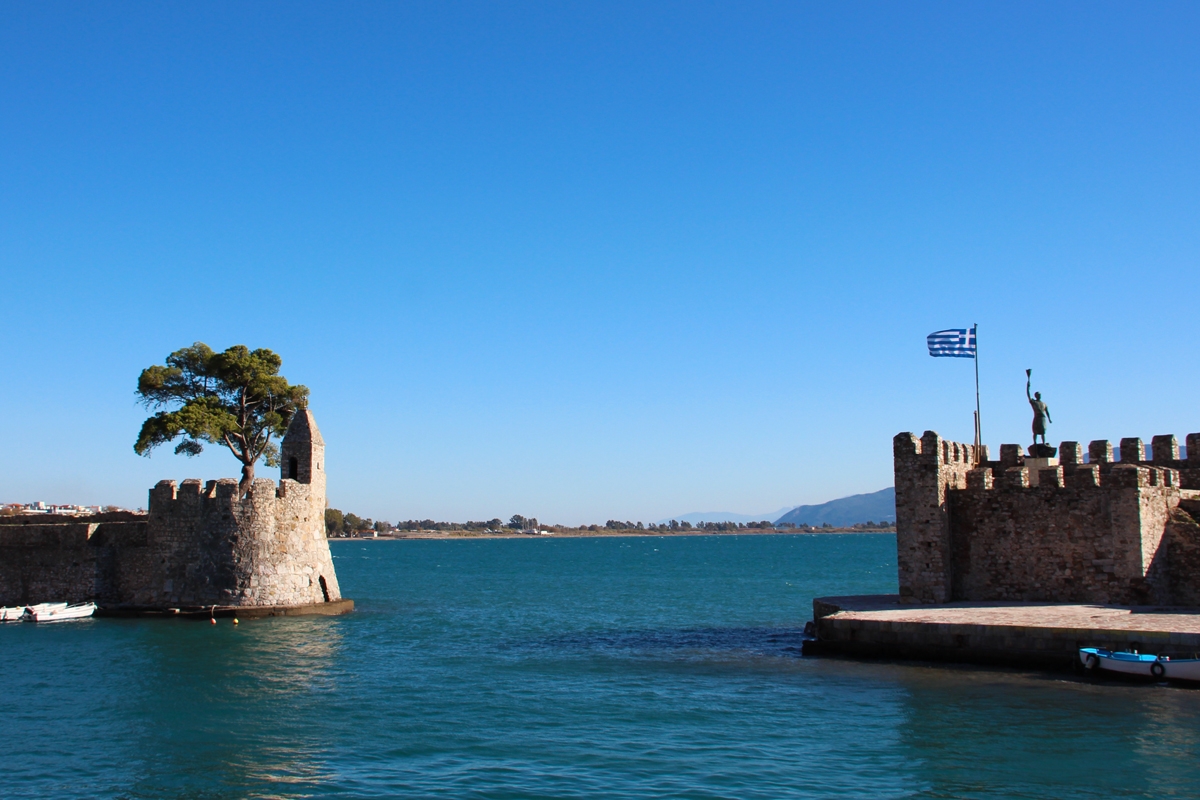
point(1017, 529)
point(199, 545)
point(926, 469)
point(302, 454)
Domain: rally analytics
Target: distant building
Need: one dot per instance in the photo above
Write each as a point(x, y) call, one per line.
point(69, 510)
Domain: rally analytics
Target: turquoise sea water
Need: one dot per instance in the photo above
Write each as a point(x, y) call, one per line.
point(557, 668)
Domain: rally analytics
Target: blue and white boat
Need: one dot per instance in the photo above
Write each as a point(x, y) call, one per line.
point(1140, 664)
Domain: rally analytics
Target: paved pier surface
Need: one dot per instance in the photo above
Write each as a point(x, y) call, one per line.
point(1020, 634)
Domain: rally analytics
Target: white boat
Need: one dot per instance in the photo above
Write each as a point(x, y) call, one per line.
point(79, 611)
point(1141, 664)
point(17, 613)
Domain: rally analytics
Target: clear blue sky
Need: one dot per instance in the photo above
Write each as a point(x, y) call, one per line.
point(581, 261)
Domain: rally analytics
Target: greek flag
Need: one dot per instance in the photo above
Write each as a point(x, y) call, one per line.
point(954, 343)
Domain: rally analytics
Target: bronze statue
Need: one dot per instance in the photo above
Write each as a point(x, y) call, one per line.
point(1041, 413)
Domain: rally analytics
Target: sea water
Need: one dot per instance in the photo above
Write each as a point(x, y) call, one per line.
point(560, 668)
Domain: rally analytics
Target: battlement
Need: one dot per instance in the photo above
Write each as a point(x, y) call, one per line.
point(931, 448)
point(997, 477)
point(1078, 527)
point(189, 497)
point(1137, 467)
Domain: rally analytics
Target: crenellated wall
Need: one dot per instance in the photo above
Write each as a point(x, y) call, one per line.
point(1023, 529)
point(196, 546)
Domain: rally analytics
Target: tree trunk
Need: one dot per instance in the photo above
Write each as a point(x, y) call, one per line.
point(247, 478)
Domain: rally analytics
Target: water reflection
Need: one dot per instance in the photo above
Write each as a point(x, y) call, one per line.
point(977, 733)
point(698, 643)
point(235, 709)
point(1168, 746)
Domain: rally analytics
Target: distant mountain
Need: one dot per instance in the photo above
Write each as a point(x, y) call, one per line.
point(876, 507)
point(724, 516)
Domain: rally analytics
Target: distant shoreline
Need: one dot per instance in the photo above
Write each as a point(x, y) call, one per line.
point(586, 534)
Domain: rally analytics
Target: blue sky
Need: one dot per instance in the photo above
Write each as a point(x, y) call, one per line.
point(584, 261)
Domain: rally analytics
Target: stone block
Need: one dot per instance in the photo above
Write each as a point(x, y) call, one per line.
point(1132, 451)
point(980, 479)
point(1050, 478)
point(1016, 478)
point(1129, 476)
point(931, 447)
point(1165, 449)
point(1193, 448)
point(1100, 451)
point(1011, 455)
point(1070, 453)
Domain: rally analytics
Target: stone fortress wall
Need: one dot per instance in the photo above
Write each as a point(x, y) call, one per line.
point(197, 545)
point(1048, 530)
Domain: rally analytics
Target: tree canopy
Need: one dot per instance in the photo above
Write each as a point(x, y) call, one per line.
point(236, 399)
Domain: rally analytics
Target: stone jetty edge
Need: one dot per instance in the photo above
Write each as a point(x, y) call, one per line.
point(1030, 635)
point(331, 609)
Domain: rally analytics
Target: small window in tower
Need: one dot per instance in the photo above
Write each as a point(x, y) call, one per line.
point(293, 468)
point(324, 588)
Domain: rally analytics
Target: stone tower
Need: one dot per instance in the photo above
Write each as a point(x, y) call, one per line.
point(303, 452)
point(926, 469)
point(207, 545)
point(266, 548)
point(302, 456)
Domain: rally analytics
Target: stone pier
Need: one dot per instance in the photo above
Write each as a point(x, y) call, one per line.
point(1044, 635)
point(1023, 560)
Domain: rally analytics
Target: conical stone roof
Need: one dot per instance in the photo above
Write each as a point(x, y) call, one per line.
point(303, 429)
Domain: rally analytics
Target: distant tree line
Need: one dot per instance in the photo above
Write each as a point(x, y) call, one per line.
point(737, 526)
point(858, 526)
point(677, 525)
point(338, 523)
point(431, 525)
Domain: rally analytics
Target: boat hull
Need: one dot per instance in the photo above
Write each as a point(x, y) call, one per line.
point(1140, 665)
point(17, 613)
point(60, 614)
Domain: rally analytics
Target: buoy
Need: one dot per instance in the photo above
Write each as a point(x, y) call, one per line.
point(235, 621)
point(212, 620)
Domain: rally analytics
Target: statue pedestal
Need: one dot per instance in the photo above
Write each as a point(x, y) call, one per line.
point(1042, 451)
point(1036, 464)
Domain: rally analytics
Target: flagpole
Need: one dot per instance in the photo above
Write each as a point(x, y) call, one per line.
point(978, 420)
